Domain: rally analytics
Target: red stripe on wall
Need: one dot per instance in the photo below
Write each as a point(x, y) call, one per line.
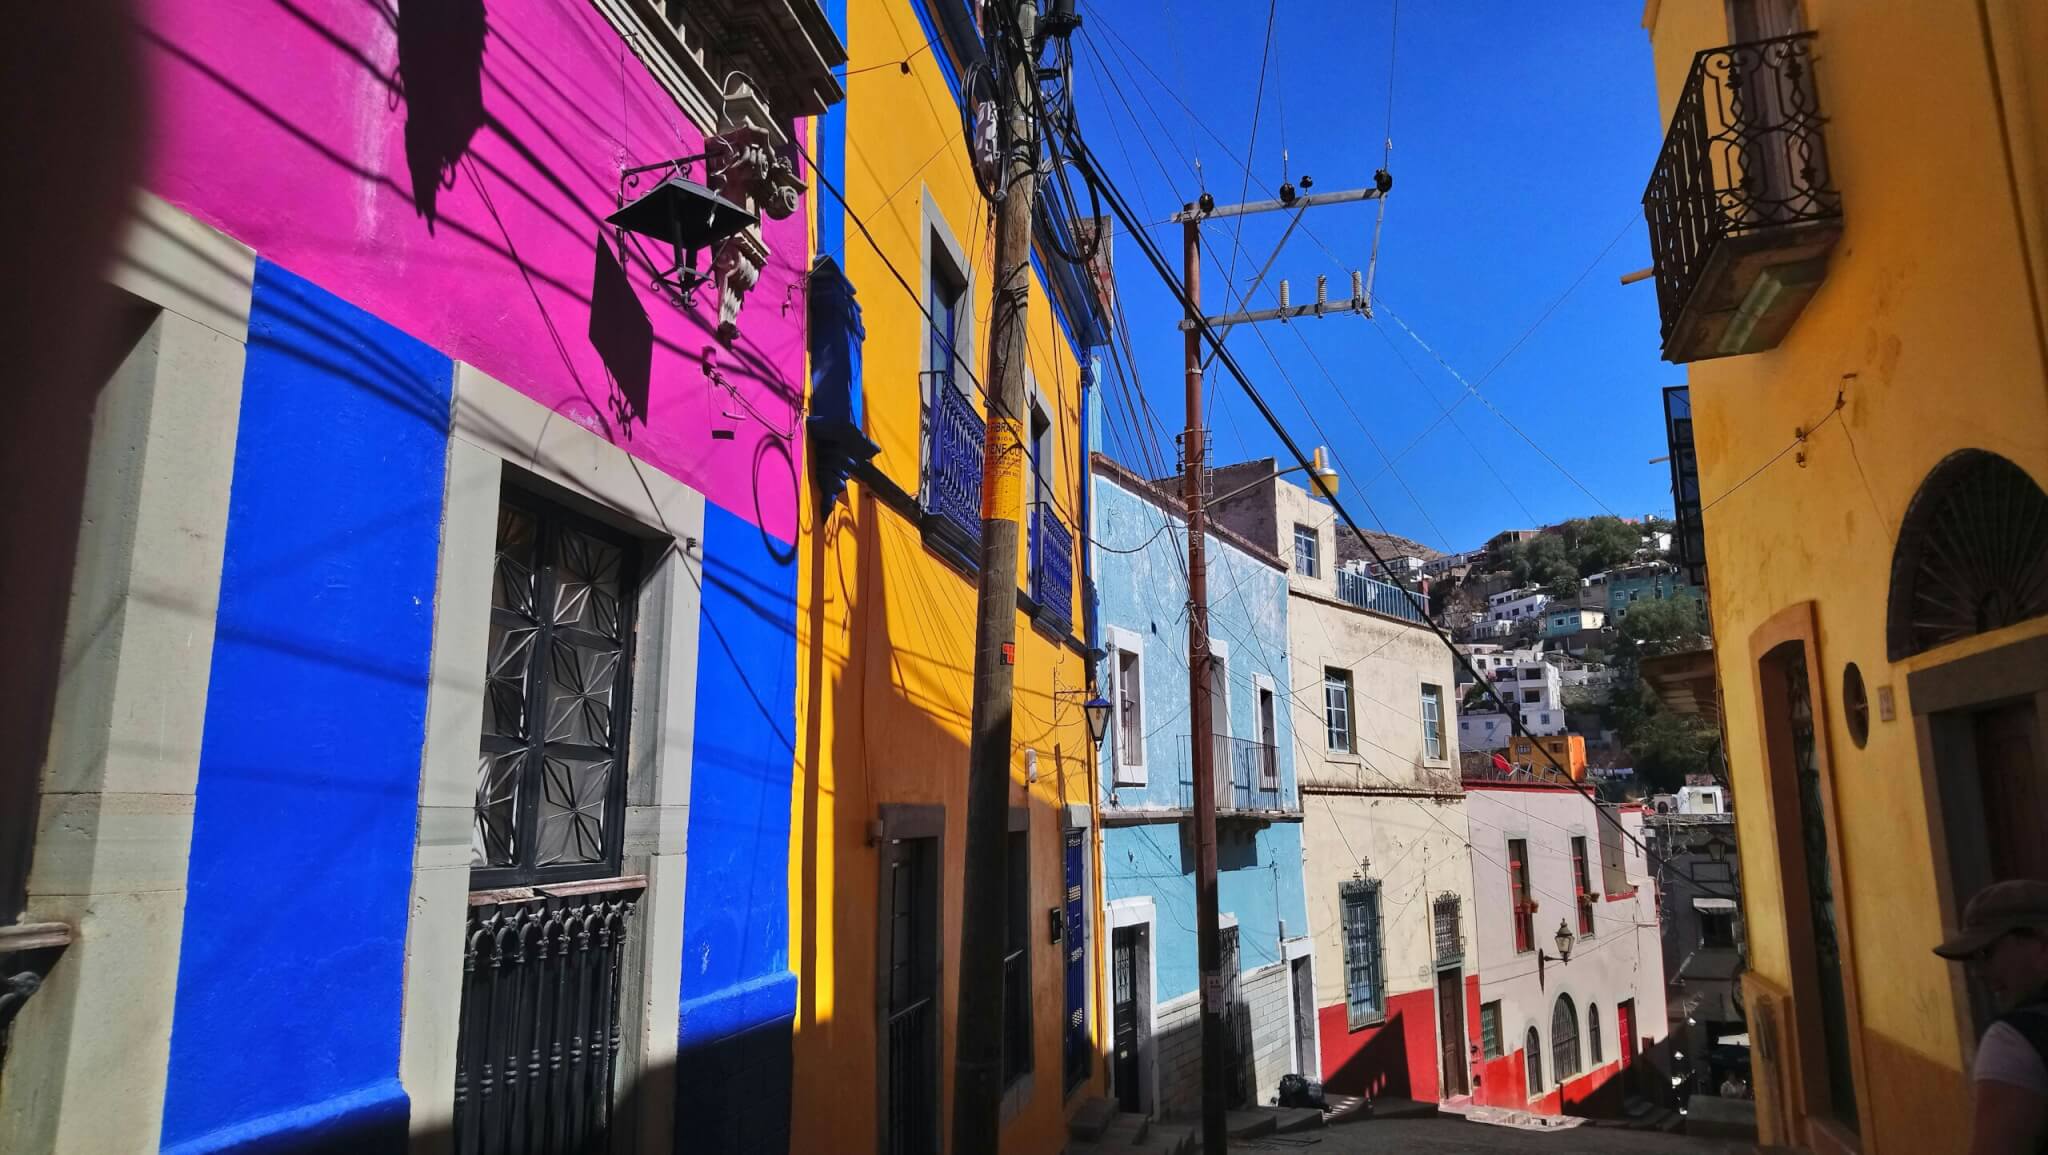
point(1396, 1057)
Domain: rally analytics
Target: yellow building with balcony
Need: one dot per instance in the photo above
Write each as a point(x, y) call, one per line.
point(1847, 222)
point(886, 645)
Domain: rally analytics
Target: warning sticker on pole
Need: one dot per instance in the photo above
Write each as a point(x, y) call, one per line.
point(1212, 994)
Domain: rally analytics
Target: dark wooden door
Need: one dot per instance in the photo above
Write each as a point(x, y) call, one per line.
point(910, 1066)
point(1450, 1013)
point(1123, 968)
point(2010, 780)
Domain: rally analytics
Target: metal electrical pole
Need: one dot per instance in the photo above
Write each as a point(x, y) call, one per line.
point(978, 1022)
point(1194, 450)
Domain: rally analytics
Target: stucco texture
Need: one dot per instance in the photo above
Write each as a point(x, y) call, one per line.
point(885, 629)
point(447, 167)
point(1930, 328)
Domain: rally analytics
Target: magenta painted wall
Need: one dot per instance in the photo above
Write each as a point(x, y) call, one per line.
point(446, 165)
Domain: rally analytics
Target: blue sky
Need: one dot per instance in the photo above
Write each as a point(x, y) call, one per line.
point(1522, 137)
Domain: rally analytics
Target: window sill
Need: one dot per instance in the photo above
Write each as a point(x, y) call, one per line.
point(1374, 1019)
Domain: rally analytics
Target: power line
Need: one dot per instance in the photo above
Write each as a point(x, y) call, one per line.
point(1091, 171)
point(1798, 440)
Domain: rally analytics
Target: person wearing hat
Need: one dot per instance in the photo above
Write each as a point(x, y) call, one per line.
point(2004, 941)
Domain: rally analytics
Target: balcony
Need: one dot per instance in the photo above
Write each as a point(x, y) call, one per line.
point(1741, 209)
point(954, 435)
point(1052, 568)
point(1247, 781)
point(1689, 535)
point(1380, 597)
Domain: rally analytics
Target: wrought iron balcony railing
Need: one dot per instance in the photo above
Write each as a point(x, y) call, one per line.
point(1375, 595)
point(1052, 566)
point(1741, 208)
point(952, 474)
point(1247, 780)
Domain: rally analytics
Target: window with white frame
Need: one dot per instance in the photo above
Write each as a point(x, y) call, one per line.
point(1432, 721)
point(1337, 710)
point(1308, 549)
point(1364, 973)
point(1127, 672)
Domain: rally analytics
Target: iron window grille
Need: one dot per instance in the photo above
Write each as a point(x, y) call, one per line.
point(551, 777)
point(1564, 1038)
point(1489, 1029)
point(1364, 973)
point(1593, 1033)
point(1445, 913)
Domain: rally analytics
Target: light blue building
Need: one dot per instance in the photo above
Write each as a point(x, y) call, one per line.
point(1147, 802)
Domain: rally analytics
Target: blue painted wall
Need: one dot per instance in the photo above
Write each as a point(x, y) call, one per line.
point(285, 1035)
point(1141, 587)
point(739, 995)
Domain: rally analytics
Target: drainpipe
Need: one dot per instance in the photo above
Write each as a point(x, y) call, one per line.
point(1085, 515)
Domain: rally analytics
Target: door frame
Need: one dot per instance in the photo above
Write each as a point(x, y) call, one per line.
point(1942, 695)
point(1443, 1052)
point(1797, 624)
point(1136, 912)
point(1294, 950)
point(900, 821)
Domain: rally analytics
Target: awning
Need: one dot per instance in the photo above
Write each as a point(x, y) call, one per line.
point(1714, 905)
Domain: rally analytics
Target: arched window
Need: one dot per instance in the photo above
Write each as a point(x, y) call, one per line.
point(1564, 1038)
point(1532, 1062)
point(1972, 553)
point(1593, 1032)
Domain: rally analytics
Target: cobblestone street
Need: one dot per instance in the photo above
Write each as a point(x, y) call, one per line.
point(1453, 1136)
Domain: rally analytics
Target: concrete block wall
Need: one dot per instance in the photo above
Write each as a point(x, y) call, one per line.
point(1264, 1002)
point(1177, 1043)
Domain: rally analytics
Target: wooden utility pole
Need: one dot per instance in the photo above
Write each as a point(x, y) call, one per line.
point(978, 1023)
point(1208, 934)
point(1194, 453)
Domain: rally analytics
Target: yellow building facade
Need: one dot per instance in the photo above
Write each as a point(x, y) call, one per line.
point(1848, 223)
point(887, 600)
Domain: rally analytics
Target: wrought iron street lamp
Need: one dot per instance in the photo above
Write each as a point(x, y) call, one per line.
point(1564, 941)
point(1098, 710)
point(682, 214)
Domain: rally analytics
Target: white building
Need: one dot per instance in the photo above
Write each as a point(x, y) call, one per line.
point(1571, 965)
point(1385, 870)
point(1517, 605)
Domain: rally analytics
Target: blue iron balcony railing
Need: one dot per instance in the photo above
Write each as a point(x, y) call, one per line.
point(1247, 779)
point(1378, 596)
point(1741, 206)
point(952, 475)
point(1052, 566)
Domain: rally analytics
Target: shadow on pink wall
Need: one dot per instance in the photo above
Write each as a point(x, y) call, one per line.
point(447, 165)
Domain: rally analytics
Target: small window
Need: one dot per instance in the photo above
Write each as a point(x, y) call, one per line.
point(1364, 978)
point(1269, 741)
point(1337, 709)
point(1522, 903)
point(1717, 930)
point(1532, 696)
point(1582, 882)
point(1532, 1061)
point(1308, 548)
point(1017, 1051)
point(1593, 1033)
point(1043, 454)
point(1432, 722)
point(1489, 1029)
point(1130, 717)
point(948, 292)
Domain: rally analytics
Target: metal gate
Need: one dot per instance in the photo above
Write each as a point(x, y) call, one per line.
point(540, 1019)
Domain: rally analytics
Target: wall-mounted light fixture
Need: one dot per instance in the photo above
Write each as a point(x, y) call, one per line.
point(680, 213)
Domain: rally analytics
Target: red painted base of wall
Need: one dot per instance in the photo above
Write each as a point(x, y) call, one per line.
point(1596, 1094)
point(1396, 1057)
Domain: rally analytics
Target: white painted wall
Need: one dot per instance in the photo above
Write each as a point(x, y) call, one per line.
point(1620, 960)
